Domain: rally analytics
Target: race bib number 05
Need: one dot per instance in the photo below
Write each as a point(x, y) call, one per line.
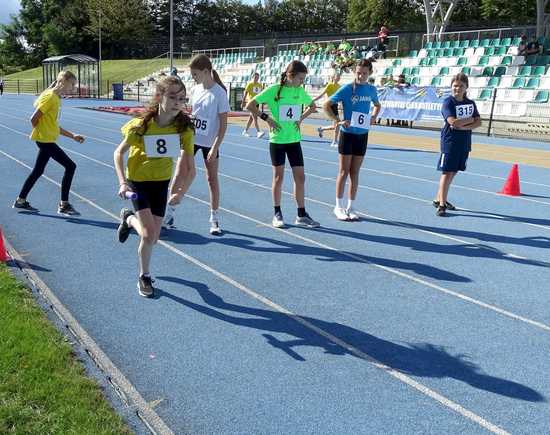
point(290, 112)
point(464, 111)
point(167, 145)
point(201, 126)
point(360, 120)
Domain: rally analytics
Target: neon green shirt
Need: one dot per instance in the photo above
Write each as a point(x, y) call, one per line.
point(285, 111)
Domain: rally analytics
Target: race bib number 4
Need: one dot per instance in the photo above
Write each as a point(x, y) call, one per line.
point(167, 145)
point(290, 112)
point(201, 126)
point(360, 120)
point(464, 111)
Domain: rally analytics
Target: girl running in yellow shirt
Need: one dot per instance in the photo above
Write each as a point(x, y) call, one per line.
point(329, 91)
point(252, 89)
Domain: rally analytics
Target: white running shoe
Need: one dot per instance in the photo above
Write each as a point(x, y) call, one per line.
point(278, 221)
point(352, 214)
point(246, 133)
point(341, 214)
point(334, 144)
point(320, 131)
point(215, 224)
point(260, 134)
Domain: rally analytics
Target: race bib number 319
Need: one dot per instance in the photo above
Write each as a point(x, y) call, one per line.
point(290, 112)
point(464, 111)
point(167, 145)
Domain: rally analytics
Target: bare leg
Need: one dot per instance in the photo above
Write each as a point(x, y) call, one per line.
point(148, 227)
point(277, 184)
point(355, 168)
point(299, 183)
point(213, 183)
point(343, 172)
point(444, 185)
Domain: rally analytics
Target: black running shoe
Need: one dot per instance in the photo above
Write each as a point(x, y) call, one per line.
point(123, 230)
point(441, 211)
point(145, 286)
point(67, 210)
point(23, 205)
point(448, 205)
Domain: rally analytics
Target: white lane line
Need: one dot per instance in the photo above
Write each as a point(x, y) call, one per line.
point(391, 270)
point(353, 350)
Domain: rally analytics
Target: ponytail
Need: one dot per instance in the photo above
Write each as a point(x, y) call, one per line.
point(217, 79)
point(281, 84)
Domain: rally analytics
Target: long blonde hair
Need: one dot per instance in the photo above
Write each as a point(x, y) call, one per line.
point(182, 121)
point(202, 62)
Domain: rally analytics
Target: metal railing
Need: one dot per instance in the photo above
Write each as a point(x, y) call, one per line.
point(24, 86)
point(503, 32)
point(393, 43)
point(259, 51)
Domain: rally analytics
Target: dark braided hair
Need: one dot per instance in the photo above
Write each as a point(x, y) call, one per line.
point(294, 67)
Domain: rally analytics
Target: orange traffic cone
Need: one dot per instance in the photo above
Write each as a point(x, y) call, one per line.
point(511, 187)
point(3, 253)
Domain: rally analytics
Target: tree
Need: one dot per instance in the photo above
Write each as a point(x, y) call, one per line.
point(507, 12)
point(369, 15)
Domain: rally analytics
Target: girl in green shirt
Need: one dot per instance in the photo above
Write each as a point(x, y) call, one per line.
point(285, 101)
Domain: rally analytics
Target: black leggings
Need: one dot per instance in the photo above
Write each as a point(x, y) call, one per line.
point(45, 152)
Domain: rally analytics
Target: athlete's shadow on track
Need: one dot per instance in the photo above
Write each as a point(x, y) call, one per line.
point(79, 220)
point(276, 246)
point(501, 217)
point(414, 359)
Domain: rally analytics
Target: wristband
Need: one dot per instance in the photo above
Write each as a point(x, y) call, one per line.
point(264, 116)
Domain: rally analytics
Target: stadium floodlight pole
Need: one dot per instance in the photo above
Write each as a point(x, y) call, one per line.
point(171, 35)
point(99, 64)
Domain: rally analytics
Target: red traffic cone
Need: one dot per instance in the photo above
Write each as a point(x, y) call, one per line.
point(511, 187)
point(3, 253)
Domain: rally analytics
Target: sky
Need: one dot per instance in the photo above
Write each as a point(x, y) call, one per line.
point(8, 7)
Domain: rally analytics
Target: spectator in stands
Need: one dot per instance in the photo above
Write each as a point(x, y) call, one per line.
point(1, 86)
point(305, 48)
point(383, 35)
point(330, 48)
point(174, 71)
point(344, 46)
point(522, 48)
point(314, 48)
point(533, 47)
point(402, 82)
point(390, 81)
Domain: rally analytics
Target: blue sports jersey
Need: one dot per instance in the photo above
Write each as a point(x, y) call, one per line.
point(357, 105)
point(451, 138)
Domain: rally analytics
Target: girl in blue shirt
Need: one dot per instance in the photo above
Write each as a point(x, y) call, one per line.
point(461, 117)
point(356, 99)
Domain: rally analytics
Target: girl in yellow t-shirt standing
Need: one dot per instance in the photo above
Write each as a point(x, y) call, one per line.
point(45, 131)
point(252, 89)
point(160, 135)
point(329, 91)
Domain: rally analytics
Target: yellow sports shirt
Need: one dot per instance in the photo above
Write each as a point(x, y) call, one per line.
point(331, 89)
point(253, 89)
point(142, 167)
point(47, 129)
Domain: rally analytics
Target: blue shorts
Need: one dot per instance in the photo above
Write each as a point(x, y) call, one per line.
point(453, 161)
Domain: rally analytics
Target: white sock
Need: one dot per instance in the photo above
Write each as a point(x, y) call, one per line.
point(213, 213)
point(340, 202)
point(350, 204)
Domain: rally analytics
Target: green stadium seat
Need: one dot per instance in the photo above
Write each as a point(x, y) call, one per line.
point(466, 70)
point(486, 94)
point(432, 61)
point(444, 71)
point(524, 71)
point(415, 71)
point(396, 62)
point(415, 81)
point(538, 71)
point(437, 44)
point(483, 60)
point(447, 52)
point(388, 71)
point(533, 83)
point(413, 53)
point(436, 81)
point(495, 42)
point(457, 52)
point(519, 83)
point(455, 44)
point(499, 71)
point(542, 97)
point(531, 59)
point(501, 51)
point(487, 71)
point(485, 43)
point(543, 60)
point(489, 51)
point(506, 60)
point(493, 82)
point(424, 61)
point(428, 45)
point(446, 44)
point(406, 71)
point(506, 42)
point(474, 43)
point(516, 41)
point(462, 61)
point(440, 52)
point(541, 40)
point(465, 43)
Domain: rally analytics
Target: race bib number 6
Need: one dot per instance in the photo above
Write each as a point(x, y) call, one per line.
point(167, 145)
point(290, 112)
point(360, 120)
point(464, 111)
point(201, 126)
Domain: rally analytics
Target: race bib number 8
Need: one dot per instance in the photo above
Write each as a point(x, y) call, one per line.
point(201, 126)
point(162, 146)
point(464, 111)
point(290, 112)
point(360, 120)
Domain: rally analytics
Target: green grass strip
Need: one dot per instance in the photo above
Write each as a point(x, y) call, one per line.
point(43, 387)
